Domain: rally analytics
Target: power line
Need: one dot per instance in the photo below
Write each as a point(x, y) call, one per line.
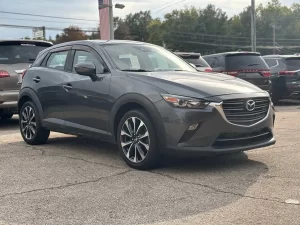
point(48, 28)
point(56, 17)
point(170, 5)
point(50, 21)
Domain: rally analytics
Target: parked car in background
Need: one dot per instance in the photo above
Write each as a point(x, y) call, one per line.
point(15, 57)
point(196, 60)
point(285, 70)
point(249, 66)
point(142, 97)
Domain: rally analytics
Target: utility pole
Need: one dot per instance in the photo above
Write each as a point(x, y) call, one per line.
point(253, 26)
point(274, 38)
point(111, 21)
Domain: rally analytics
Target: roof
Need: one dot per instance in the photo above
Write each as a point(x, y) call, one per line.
point(281, 56)
point(25, 41)
point(233, 53)
point(101, 42)
point(187, 53)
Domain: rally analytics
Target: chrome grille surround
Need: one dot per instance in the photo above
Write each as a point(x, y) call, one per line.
point(238, 112)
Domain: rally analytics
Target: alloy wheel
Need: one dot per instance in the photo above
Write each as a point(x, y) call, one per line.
point(135, 139)
point(28, 123)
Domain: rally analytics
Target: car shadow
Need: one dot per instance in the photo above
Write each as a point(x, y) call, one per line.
point(9, 125)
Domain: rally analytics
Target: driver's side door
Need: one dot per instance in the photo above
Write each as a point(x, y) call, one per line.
point(88, 101)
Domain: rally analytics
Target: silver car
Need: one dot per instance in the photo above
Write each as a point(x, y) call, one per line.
point(15, 57)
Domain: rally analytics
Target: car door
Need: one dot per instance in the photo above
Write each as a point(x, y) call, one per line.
point(88, 102)
point(48, 82)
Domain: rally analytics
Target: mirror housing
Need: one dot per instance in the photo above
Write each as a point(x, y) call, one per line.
point(86, 69)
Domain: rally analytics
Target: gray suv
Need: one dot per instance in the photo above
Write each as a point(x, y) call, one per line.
point(15, 58)
point(142, 97)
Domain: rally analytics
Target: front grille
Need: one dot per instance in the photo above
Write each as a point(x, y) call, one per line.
point(231, 140)
point(236, 110)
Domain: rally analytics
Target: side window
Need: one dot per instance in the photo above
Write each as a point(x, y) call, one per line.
point(84, 56)
point(215, 62)
point(57, 60)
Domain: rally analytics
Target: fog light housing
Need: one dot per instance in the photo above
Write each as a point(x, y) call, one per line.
point(193, 127)
point(190, 132)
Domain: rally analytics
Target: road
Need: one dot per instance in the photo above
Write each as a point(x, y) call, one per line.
point(73, 180)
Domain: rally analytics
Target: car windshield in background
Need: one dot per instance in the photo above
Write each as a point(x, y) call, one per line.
point(245, 62)
point(142, 57)
point(293, 64)
point(198, 62)
point(19, 53)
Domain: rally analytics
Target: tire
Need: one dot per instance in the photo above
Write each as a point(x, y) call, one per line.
point(29, 117)
point(6, 116)
point(144, 151)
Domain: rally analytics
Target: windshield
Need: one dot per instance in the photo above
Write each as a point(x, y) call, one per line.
point(142, 57)
point(245, 62)
point(19, 53)
point(293, 64)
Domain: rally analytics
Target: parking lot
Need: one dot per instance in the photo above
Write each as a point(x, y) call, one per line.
point(73, 180)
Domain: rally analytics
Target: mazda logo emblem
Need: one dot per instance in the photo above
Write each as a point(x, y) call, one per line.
point(250, 105)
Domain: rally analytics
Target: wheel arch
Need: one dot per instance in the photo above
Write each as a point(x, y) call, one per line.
point(136, 101)
point(27, 94)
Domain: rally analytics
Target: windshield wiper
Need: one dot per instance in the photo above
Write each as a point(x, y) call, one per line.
point(136, 70)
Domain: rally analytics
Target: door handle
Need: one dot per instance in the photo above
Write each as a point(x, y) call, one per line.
point(37, 79)
point(67, 87)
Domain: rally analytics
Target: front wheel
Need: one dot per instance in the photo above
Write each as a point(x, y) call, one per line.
point(137, 140)
point(30, 125)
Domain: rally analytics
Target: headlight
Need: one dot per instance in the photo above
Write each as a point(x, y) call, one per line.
point(185, 102)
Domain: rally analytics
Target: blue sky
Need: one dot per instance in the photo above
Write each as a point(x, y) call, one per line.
point(87, 9)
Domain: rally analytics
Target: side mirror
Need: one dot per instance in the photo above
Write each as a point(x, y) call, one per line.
point(193, 65)
point(86, 69)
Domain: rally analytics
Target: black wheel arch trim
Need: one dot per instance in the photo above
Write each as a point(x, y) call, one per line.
point(28, 92)
point(149, 107)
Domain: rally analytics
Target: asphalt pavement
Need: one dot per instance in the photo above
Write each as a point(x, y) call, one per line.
point(73, 180)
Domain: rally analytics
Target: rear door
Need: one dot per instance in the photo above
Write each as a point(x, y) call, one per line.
point(15, 57)
point(250, 67)
point(48, 80)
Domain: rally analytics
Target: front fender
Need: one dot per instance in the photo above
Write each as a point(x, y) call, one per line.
point(148, 106)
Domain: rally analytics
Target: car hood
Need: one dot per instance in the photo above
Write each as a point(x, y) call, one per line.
point(196, 84)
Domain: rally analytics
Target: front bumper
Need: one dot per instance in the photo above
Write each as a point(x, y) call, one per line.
point(212, 126)
point(9, 101)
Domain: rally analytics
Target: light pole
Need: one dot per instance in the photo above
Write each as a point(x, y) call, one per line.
point(111, 15)
point(253, 26)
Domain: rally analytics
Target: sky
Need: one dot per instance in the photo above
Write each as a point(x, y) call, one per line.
point(88, 10)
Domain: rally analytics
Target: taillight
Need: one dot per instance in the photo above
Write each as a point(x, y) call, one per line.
point(208, 70)
point(287, 73)
point(4, 73)
point(23, 74)
point(266, 73)
point(233, 73)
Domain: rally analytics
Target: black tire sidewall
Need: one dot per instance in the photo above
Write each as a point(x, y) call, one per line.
point(39, 128)
point(151, 160)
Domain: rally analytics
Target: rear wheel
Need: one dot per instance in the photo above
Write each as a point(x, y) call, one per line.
point(137, 140)
point(30, 125)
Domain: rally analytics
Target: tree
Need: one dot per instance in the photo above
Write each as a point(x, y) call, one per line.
point(155, 32)
point(72, 33)
point(137, 24)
